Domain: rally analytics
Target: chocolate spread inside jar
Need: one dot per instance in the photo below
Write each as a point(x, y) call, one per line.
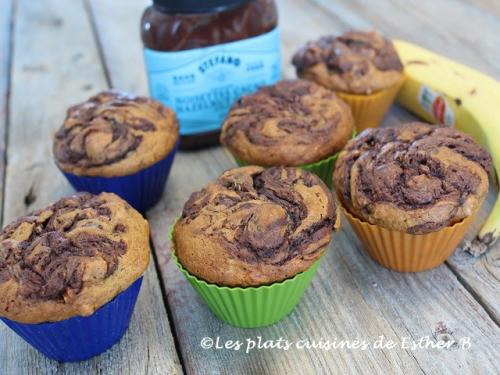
point(202, 55)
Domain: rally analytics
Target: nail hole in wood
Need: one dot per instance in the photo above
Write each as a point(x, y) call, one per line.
point(30, 197)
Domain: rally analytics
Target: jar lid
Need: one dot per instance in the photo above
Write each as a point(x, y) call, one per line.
point(197, 6)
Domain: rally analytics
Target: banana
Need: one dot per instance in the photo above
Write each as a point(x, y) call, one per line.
point(440, 90)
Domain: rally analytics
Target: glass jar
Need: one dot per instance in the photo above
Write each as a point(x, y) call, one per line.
point(202, 55)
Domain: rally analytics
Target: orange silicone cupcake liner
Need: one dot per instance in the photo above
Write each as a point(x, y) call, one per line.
point(369, 110)
point(405, 252)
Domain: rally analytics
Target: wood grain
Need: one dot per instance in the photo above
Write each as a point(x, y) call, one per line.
point(481, 275)
point(456, 29)
point(6, 13)
point(352, 297)
point(490, 7)
point(55, 65)
point(465, 34)
point(109, 21)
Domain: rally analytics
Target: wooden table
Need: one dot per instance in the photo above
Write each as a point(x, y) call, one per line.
point(57, 53)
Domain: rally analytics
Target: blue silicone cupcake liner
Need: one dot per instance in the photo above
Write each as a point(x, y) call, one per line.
point(142, 190)
point(80, 338)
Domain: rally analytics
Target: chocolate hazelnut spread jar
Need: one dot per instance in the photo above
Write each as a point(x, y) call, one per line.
point(202, 55)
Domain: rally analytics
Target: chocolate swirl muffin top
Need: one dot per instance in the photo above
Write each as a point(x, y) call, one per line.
point(417, 178)
point(255, 226)
point(70, 258)
point(290, 123)
point(114, 134)
point(355, 62)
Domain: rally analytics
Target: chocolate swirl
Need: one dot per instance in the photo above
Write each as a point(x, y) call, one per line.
point(357, 62)
point(254, 226)
point(290, 123)
point(416, 178)
point(107, 129)
point(46, 251)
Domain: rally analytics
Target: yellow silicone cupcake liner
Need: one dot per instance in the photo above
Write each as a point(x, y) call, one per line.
point(405, 252)
point(369, 110)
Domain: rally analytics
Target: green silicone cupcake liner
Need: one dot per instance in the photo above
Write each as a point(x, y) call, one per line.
point(323, 168)
point(254, 306)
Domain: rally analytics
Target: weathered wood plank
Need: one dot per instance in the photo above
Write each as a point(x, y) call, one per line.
point(455, 29)
point(352, 297)
point(55, 65)
point(488, 6)
point(115, 35)
point(481, 275)
point(467, 34)
point(6, 7)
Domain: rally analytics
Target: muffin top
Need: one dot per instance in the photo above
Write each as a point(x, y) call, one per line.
point(356, 62)
point(288, 124)
point(417, 178)
point(255, 226)
point(114, 134)
point(70, 258)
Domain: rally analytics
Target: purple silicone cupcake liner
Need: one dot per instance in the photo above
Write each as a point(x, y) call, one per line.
point(80, 338)
point(142, 190)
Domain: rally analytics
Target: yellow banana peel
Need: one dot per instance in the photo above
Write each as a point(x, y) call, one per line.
point(440, 90)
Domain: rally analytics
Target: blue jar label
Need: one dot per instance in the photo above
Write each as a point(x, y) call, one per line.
point(201, 84)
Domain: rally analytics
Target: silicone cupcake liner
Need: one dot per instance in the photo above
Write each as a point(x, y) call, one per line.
point(404, 252)
point(80, 338)
point(369, 110)
point(254, 306)
point(323, 168)
point(142, 189)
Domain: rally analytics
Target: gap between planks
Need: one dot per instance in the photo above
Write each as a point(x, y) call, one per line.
point(322, 280)
point(474, 295)
point(7, 45)
point(97, 41)
point(173, 329)
point(349, 19)
point(19, 354)
point(90, 14)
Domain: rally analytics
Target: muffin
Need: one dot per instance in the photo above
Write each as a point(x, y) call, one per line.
point(363, 68)
point(291, 123)
point(119, 143)
point(70, 274)
point(410, 192)
point(250, 242)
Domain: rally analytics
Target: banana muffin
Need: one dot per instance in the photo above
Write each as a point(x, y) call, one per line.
point(115, 134)
point(291, 123)
point(417, 178)
point(70, 258)
point(356, 62)
point(119, 143)
point(255, 226)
